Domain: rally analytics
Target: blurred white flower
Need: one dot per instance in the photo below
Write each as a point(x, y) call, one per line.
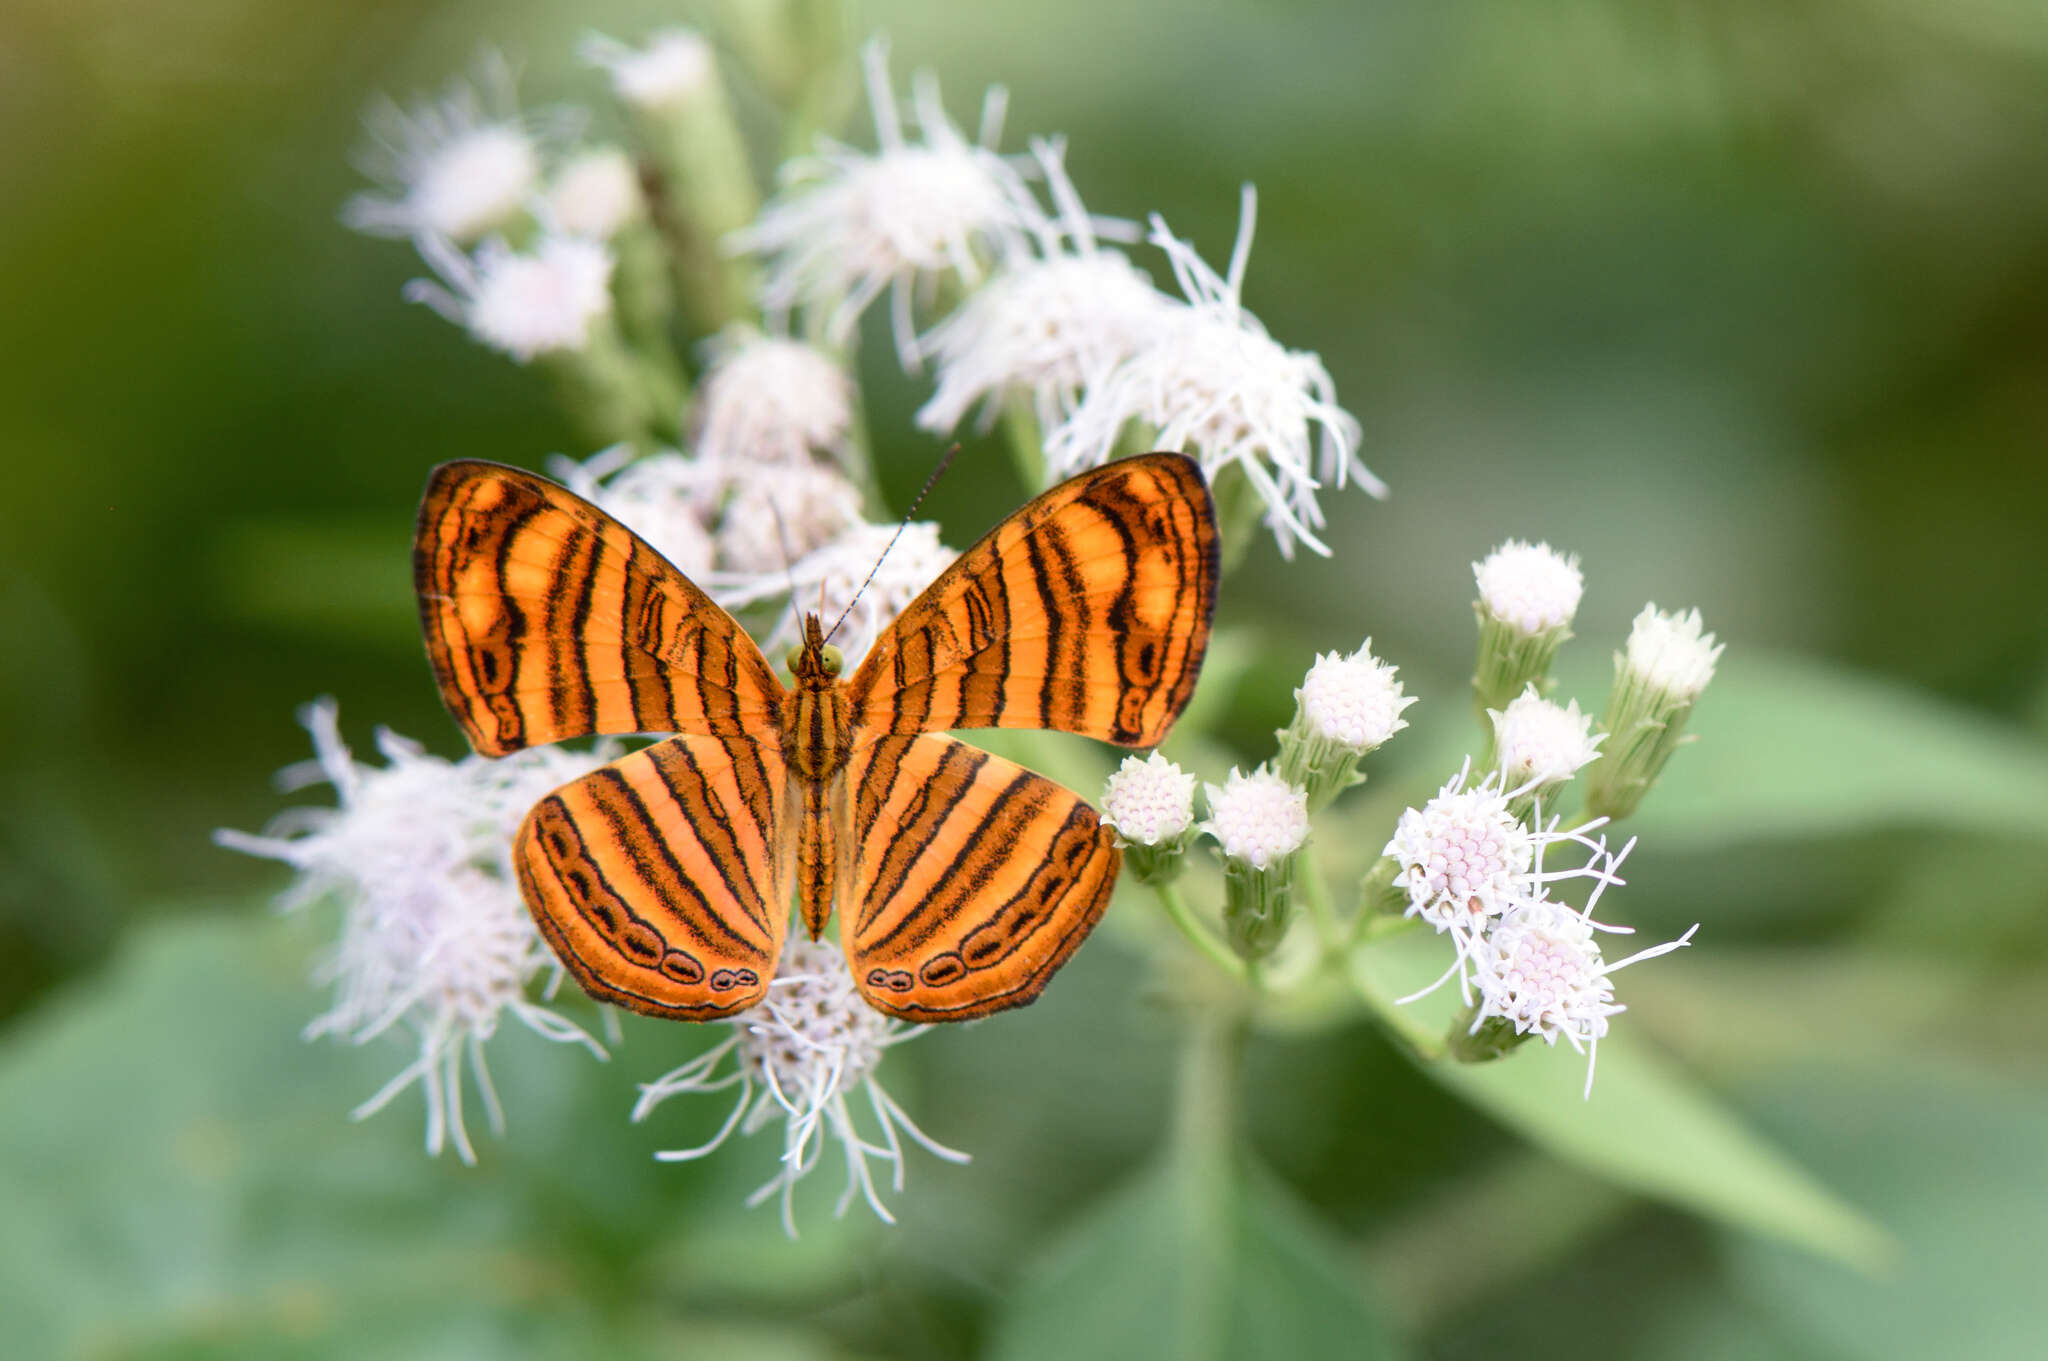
point(523, 303)
point(1669, 654)
point(1149, 801)
point(1531, 587)
point(1541, 745)
point(827, 582)
point(797, 1058)
point(458, 167)
point(1210, 381)
point(1540, 969)
point(846, 225)
point(666, 498)
point(770, 400)
point(595, 194)
point(1046, 326)
point(656, 78)
point(1258, 818)
point(776, 516)
point(434, 936)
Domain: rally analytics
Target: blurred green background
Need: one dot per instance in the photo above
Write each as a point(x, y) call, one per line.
point(1743, 302)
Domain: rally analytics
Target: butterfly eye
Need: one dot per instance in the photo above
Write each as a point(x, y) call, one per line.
point(795, 655)
point(834, 659)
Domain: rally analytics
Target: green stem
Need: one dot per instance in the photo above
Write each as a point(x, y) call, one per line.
point(1322, 909)
point(1199, 933)
point(1203, 1151)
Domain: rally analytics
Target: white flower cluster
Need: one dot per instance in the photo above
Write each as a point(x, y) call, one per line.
point(797, 1058)
point(1258, 818)
point(434, 937)
point(1476, 873)
point(1149, 800)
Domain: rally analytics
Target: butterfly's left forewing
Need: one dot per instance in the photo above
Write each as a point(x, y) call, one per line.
point(661, 879)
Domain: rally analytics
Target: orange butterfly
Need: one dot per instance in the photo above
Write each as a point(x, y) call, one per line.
point(663, 880)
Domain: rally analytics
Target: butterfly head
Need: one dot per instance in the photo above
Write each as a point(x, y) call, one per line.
point(814, 661)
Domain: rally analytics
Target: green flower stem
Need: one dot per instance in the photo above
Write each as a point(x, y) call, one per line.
point(1199, 933)
point(1203, 1152)
point(1322, 908)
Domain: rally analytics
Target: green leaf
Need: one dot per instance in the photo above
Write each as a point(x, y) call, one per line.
point(1647, 1126)
point(1191, 1265)
point(1792, 748)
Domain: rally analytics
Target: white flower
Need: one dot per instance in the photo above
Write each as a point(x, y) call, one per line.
point(1258, 818)
point(1670, 654)
point(777, 515)
point(1354, 702)
point(770, 400)
point(1048, 326)
point(434, 935)
point(1532, 587)
point(846, 226)
point(1464, 857)
point(458, 167)
point(1149, 801)
point(525, 304)
point(1211, 381)
point(667, 499)
point(902, 560)
point(797, 1058)
point(596, 194)
point(1541, 744)
point(659, 77)
point(1540, 969)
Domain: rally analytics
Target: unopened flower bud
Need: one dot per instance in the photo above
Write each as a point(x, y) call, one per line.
point(1538, 747)
point(1346, 707)
point(1151, 804)
point(1261, 821)
point(1657, 679)
point(1528, 594)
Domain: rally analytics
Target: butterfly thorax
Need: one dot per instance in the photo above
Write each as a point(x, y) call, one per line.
point(817, 739)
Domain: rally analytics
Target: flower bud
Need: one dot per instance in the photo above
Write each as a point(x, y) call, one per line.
point(1261, 821)
point(1527, 597)
point(1346, 707)
point(1538, 747)
point(1657, 679)
point(1151, 804)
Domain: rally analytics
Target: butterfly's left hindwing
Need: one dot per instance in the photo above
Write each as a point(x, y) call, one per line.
point(660, 879)
point(547, 619)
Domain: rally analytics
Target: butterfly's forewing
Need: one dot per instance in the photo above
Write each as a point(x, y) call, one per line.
point(660, 879)
point(547, 619)
point(968, 879)
point(1087, 611)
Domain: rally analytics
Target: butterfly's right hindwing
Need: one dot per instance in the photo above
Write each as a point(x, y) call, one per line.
point(546, 619)
point(660, 879)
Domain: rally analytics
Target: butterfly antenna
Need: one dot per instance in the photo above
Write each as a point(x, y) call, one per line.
point(916, 501)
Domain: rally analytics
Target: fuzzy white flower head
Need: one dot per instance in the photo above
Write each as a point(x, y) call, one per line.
point(1257, 818)
point(659, 77)
point(1671, 654)
point(1045, 326)
point(1149, 801)
point(827, 582)
point(770, 400)
point(458, 167)
point(434, 936)
point(665, 498)
point(797, 1058)
point(778, 514)
point(847, 226)
point(1211, 381)
point(1464, 858)
point(1540, 969)
point(1532, 587)
point(596, 194)
point(1541, 743)
point(524, 303)
point(1354, 701)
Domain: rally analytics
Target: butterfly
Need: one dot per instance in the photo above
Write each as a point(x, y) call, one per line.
point(962, 881)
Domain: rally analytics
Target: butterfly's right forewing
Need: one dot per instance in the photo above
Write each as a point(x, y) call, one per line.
point(547, 619)
point(661, 879)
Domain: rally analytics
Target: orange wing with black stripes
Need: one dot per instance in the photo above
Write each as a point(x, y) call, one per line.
point(547, 619)
point(1087, 611)
point(661, 879)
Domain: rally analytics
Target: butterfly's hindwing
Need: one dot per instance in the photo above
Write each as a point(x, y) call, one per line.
point(969, 879)
point(1087, 611)
point(660, 879)
point(547, 619)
